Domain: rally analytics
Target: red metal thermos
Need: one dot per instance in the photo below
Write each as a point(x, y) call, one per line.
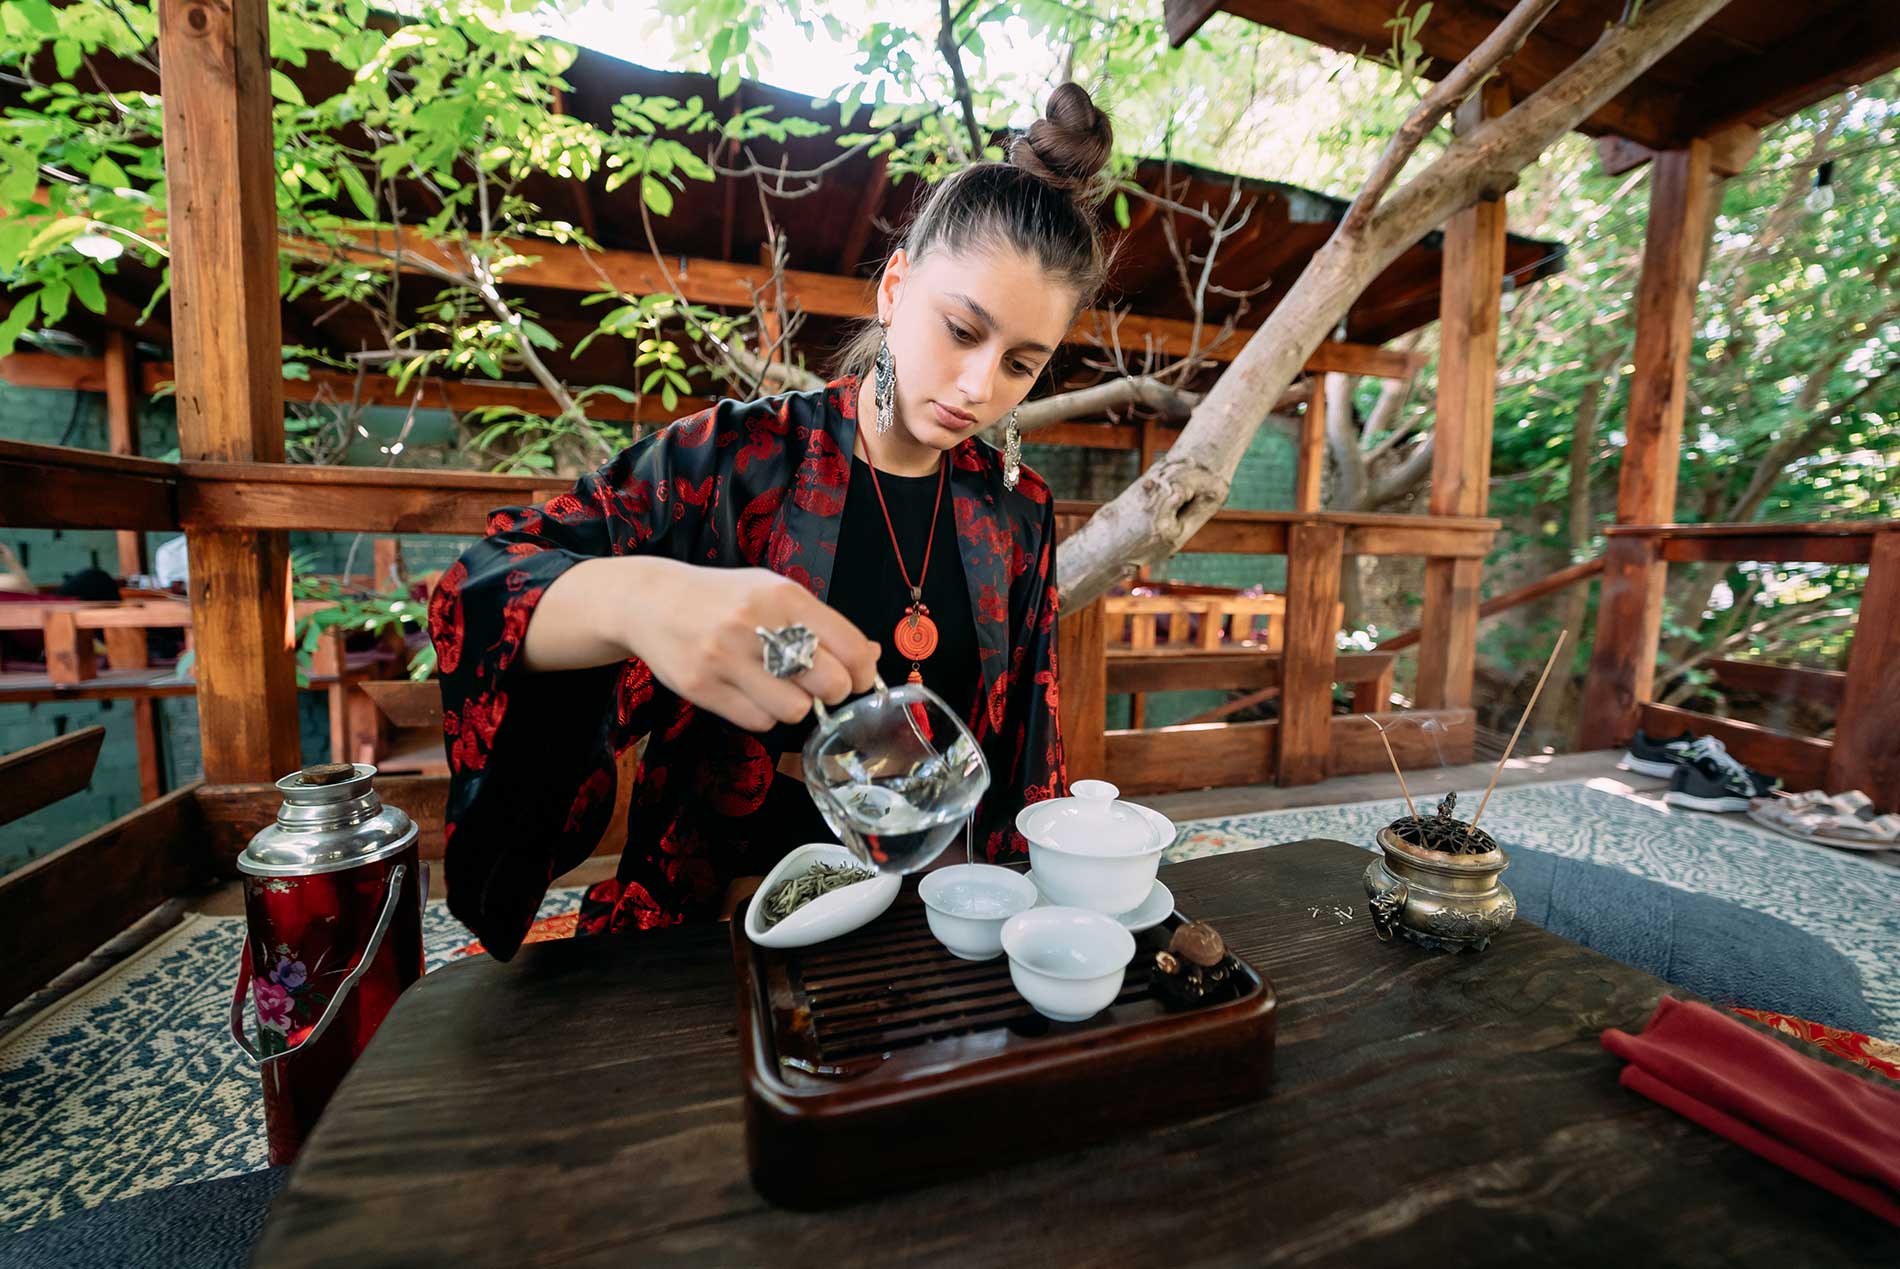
point(333, 896)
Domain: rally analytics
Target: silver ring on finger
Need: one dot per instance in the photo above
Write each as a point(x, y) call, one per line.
point(788, 651)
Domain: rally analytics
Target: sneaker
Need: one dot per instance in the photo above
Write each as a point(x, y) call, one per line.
point(1711, 782)
point(1659, 757)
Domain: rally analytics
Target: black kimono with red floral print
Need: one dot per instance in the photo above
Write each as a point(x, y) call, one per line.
point(532, 756)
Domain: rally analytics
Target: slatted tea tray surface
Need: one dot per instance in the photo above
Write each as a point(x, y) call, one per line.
point(896, 989)
point(879, 1060)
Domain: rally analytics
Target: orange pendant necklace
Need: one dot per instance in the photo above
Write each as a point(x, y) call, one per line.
point(916, 635)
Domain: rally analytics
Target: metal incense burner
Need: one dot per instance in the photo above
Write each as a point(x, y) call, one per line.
point(1445, 900)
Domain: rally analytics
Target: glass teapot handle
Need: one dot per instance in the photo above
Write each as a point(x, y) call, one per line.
point(392, 888)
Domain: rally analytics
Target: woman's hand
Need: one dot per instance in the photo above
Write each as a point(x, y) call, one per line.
point(696, 629)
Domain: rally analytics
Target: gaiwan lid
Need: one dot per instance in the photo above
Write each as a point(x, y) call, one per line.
point(1091, 822)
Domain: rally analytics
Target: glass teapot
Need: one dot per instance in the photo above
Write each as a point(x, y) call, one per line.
point(894, 773)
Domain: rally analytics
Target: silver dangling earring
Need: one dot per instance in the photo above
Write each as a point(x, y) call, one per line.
point(884, 388)
point(1012, 453)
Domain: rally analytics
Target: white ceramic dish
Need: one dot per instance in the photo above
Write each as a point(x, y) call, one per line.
point(1067, 962)
point(827, 916)
point(1145, 915)
point(967, 905)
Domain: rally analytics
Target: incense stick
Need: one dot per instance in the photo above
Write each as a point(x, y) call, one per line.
point(1395, 766)
point(1521, 720)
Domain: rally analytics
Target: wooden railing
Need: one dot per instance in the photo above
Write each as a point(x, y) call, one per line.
point(1863, 754)
point(1307, 743)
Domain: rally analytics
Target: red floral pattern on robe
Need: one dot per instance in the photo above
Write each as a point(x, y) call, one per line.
point(532, 757)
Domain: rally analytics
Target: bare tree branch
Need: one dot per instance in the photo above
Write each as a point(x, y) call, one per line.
point(1505, 39)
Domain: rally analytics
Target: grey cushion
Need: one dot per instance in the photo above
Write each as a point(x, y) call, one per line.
point(1719, 950)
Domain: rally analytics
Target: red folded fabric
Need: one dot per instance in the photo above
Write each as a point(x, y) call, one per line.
point(1837, 1130)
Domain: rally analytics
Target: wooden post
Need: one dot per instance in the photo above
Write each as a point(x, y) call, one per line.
point(69, 656)
point(1312, 461)
point(1866, 755)
point(1082, 684)
point(227, 336)
point(122, 434)
point(386, 557)
point(1461, 449)
point(1314, 553)
point(1623, 664)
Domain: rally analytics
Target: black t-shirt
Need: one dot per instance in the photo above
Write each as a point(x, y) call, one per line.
point(867, 587)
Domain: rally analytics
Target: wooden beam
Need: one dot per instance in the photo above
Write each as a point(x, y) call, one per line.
point(50, 370)
point(365, 499)
point(1461, 447)
point(559, 267)
point(122, 433)
point(1312, 458)
point(42, 774)
point(1082, 700)
point(1801, 762)
point(1769, 546)
point(1866, 754)
point(1201, 756)
point(1730, 150)
point(1357, 748)
point(1790, 682)
point(59, 907)
point(227, 336)
point(1852, 44)
point(56, 487)
point(1223, 670)
point(1315, 553)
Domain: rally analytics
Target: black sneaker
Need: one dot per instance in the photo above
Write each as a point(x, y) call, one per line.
point(1712, 782)
point(1660, 757)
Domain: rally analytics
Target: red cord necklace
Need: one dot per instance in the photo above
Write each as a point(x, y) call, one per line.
point(916, 634)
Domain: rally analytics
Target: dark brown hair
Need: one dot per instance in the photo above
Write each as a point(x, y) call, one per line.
point(1041, 203)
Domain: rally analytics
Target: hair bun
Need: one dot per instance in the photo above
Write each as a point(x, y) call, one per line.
point(1069, 146)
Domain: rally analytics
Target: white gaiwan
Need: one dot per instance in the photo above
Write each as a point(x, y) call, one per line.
point(1092, 850)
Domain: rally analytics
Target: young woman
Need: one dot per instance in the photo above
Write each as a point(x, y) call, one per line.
point(867, 512)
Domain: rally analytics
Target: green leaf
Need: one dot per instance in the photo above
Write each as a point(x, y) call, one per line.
point(54, 297)
point(66, 58)
point(656, 196)
point(17, 320)
point(358, 189)
point(1121, 210)
point(107, 173)
point(284, 88)
point(85, 282)
point(539, 335)
point(40, 14)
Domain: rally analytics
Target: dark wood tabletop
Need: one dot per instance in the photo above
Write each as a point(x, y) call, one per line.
point(582, 1105)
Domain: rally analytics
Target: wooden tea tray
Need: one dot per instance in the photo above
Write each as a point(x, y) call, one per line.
point(879, 1061)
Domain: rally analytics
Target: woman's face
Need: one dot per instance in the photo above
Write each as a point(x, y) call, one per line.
point(969, 332)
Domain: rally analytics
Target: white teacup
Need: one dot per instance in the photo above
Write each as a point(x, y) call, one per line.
point(1067, 962)
point(968, 904)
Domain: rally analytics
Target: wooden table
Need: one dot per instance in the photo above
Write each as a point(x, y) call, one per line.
point(580, 1105)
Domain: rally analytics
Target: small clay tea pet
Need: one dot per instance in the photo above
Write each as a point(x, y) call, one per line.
point(1194, 969)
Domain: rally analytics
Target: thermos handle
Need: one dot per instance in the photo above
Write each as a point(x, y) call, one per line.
point(393, 887)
